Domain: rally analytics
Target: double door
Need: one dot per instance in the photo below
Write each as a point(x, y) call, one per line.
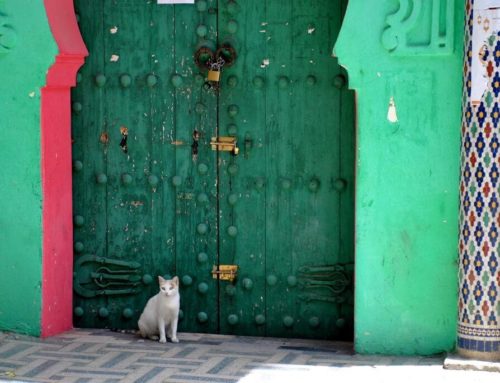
point(242, 187)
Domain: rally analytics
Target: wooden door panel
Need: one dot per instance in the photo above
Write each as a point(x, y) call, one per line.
point(196, 201)
point(142, 205)
point(242, 179)
point(292, 135)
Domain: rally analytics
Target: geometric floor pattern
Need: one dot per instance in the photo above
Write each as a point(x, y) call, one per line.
point(103, 356)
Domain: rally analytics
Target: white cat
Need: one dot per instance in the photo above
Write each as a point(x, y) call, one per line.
point(162, 311)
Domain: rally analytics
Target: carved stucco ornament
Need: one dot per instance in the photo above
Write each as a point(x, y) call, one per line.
point(420, 27)
point(8, 36)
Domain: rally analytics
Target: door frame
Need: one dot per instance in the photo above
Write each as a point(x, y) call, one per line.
point(57, 203)
point(56, 169)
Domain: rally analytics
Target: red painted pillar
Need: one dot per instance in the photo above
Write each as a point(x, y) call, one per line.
point(57, 281)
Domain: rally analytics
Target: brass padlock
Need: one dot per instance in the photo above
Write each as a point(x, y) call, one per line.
point(213, 75)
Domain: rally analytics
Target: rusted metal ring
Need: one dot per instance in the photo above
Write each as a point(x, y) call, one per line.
point(227, 53)
point(203, 57)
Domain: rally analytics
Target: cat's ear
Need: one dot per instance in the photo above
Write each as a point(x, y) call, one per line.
point(161, 280)
point(176, 280)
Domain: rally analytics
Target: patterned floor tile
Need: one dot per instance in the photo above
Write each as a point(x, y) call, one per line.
point(102, 356)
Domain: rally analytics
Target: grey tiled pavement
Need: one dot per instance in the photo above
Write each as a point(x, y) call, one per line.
point(102, 356)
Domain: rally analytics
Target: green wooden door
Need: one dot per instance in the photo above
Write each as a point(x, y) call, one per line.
point(152, 198)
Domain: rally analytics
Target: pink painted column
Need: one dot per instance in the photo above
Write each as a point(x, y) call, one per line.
point(57, 263)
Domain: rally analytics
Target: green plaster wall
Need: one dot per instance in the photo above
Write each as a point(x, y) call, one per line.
point(407, 178)
point(26, 52)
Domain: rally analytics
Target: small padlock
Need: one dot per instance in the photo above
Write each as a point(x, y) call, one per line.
point(213, 75)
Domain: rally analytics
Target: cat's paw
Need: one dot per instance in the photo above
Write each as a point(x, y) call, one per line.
point(175, 340)
point(163, 340)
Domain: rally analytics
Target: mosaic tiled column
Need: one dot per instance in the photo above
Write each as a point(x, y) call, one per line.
point(479, 278)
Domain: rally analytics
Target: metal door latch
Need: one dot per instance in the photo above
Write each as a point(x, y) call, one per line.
point(225, 144)
point(225, 272)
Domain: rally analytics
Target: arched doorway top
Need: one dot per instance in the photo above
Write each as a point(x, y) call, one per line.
point(72, 50)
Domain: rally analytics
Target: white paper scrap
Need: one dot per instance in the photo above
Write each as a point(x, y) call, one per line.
point(175, 1)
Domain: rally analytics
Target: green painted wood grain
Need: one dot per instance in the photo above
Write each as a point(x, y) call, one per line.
point(194, 109)
point(162, 162)
point(89, 198)
point(281, 137)
point(129, 212)
point(242, 199)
